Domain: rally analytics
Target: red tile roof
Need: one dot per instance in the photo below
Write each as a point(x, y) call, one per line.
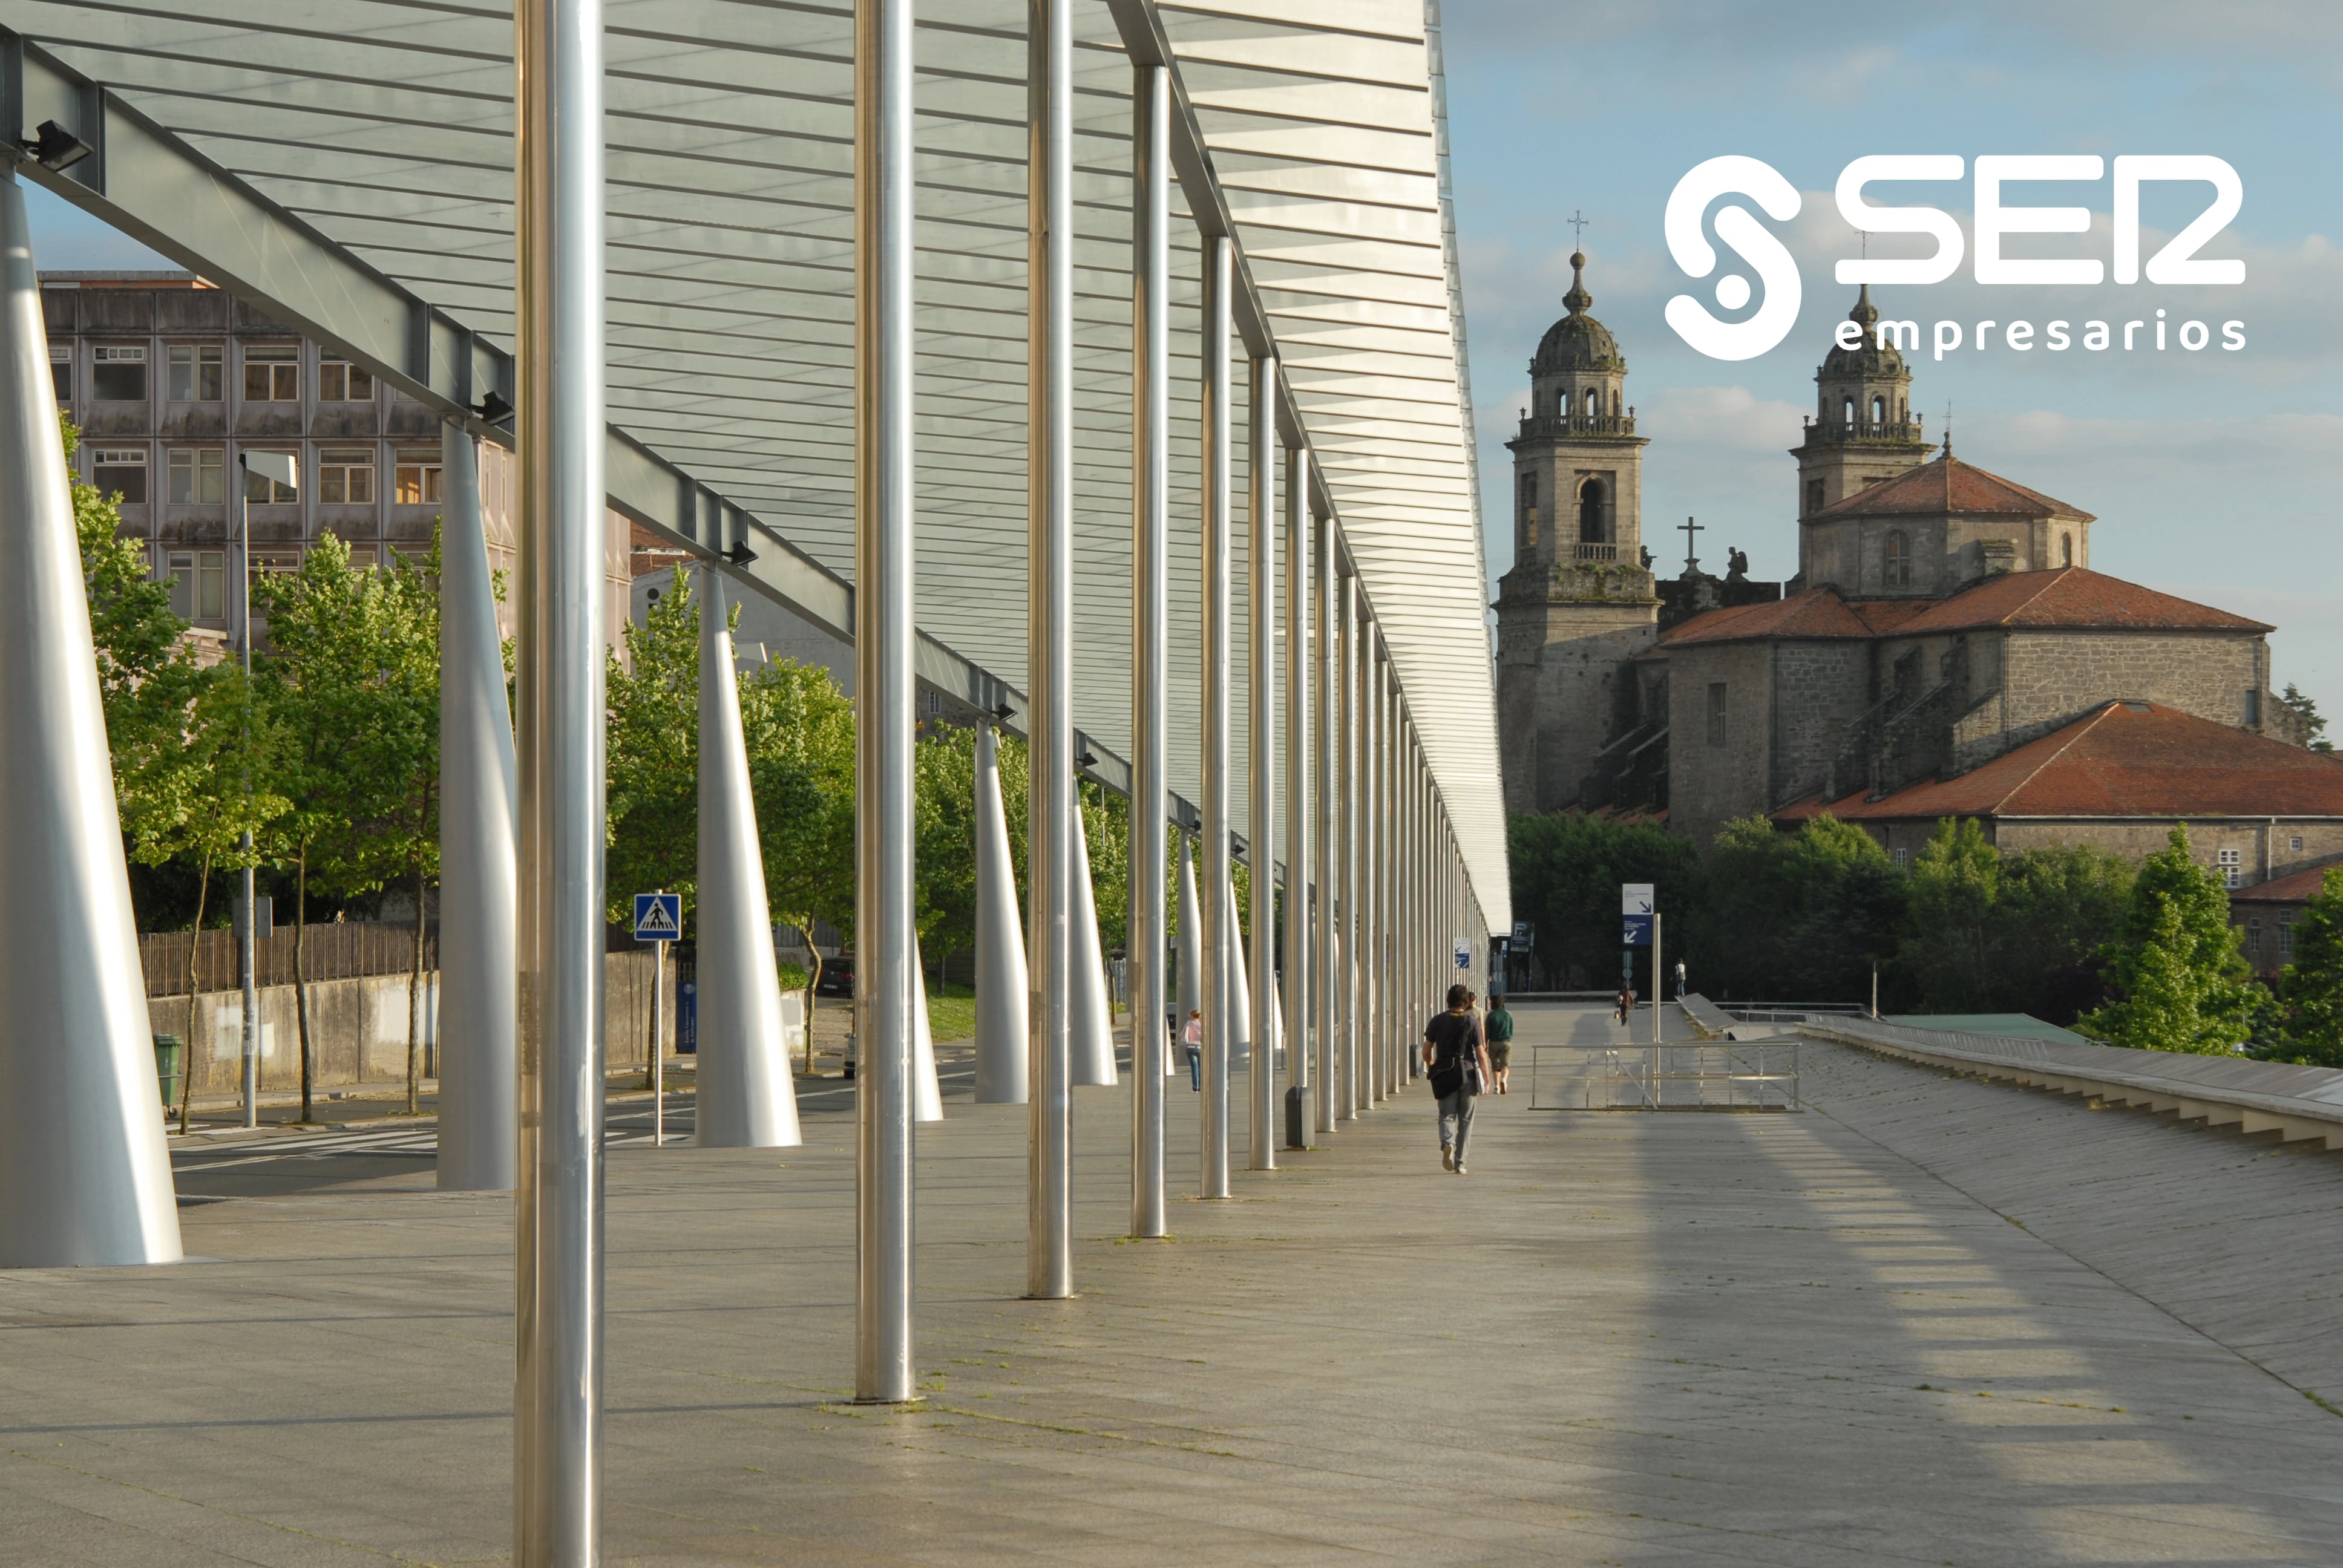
point(1949, 485)
point(1815, 613)
point(2293, 888)
point(2126, 759)
point(2069, 598)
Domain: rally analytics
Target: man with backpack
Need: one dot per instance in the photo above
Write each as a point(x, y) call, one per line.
point(1457, 1060)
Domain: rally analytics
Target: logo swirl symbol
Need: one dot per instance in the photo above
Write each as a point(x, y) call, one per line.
point(1766, 256)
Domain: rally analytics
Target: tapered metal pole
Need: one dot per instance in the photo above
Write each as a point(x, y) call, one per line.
point(1325, 950)
point(1260, 751)
point(1373, 804)
point(1349, 984)
point(1050, 649)
point(246, 928)
point(1301, 952)
point(747, 1094)
point(557, 1339)
point(479, 1010)
point(1151, 467)
point(85, 1172)
point(885, 515)
point(1003, 1035)
point(1212, 849)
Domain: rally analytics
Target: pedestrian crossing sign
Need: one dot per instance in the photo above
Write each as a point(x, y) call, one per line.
point(659, 917)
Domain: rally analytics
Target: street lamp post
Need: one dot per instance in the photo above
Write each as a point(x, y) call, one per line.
point(277, 468)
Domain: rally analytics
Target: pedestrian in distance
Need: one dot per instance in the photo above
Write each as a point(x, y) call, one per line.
point(1680, 979)
point(1456, 1059)
point(1191, 1040)
point(1626, 1007)
point(1497, 1031)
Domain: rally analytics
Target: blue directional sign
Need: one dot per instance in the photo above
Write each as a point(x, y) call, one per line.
point(1636, 914)
point(1463, 953)
point(659, 917)
point(1637, 932)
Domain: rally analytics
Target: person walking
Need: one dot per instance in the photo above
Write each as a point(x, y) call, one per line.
point(1626, 1007)
point(1456, 1058)
point(1680, 979)
point(1192, 1041)
point(1497, 1032)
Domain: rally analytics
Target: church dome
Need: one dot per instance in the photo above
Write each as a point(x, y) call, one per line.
point(1868, 360)
point(1578, 341)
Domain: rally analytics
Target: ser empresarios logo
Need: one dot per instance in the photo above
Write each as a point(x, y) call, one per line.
point(1778, 271)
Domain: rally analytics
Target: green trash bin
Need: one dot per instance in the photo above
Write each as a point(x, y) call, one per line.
point(170, 1053)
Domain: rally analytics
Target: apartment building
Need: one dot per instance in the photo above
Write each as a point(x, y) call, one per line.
point(170, 377)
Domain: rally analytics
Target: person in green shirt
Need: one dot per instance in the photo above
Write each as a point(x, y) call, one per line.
point(1498, 1027)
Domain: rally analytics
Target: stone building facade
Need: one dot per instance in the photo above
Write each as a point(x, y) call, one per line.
point(170, 378)
point(1944, 619)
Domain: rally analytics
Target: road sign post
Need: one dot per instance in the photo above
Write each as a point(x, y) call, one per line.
point(1639, 928)
point(659, 920)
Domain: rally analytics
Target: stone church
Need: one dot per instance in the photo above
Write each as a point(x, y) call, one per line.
point(1942, 618)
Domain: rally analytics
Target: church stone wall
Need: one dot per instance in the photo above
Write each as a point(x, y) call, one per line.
point(2055, 674)
point(1709, 784)
point(1819, 687)
point(1557, 711)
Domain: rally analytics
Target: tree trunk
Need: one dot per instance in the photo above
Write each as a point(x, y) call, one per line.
point(194, 945)
point(301, 973)
point(813, 979)
point(415, 1006)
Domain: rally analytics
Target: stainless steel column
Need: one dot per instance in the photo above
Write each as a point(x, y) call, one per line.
point(1301, 951)
point(1150, 464)
point(1372, 806)
point(1349, 982)
point(1213, 848)
point(85, 1172)
point(1050, 636)
point(557, 1337)
point(1324, 952)
point(1260, 751)
point(886, 984)
point(477, 1010)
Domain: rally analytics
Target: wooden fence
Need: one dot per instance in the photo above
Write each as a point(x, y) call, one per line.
point(341, 951)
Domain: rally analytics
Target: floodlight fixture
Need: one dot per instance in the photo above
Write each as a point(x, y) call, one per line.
point(55, 148)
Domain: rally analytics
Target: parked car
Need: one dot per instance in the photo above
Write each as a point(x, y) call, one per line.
point(837, 977)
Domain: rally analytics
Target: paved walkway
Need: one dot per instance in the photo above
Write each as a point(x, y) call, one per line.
point(1879, 1331)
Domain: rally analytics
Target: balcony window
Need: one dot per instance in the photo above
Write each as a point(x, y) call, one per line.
point(272, 373)
point(118, 373)
point(120, 471)
point(1716, 713)
point(345, 477)
point(61, 371)
point(339, 381)
point(417, 478)
point(263, 491)
point(198, 477)
point(195, 371)
point(198, 585)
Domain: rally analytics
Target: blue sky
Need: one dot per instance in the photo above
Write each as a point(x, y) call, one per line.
point(2213, 475)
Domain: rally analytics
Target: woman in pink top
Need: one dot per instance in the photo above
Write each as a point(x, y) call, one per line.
point(1192, 1037)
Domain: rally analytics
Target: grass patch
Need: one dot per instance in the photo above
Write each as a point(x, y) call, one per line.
point(951, 1011)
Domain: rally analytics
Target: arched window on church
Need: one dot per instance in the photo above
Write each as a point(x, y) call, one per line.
point(1879, 410)
point(1593, 514)
point(1898, 563)
point(1529, 516)
point(1593, 402)
point(2066, 549)
point(1846, 410)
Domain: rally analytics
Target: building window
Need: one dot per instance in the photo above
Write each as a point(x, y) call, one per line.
point(1594, 403)
point(119, 374)
point(61, 371)
point(418, 478)
point(1529, 513)
point(339, 381)
point(363, 557)
point(2232, 863)
point(2294, 846)
point(2253, 708)
point(2066, 549)
point(2254, 937)
point(196, 372)
point(1593, 514)
point(1813, 496)
point(120, 471)
point(1898, 566)
point(272, 373)
point(1846, 412)
point(1903, 859)
point(1716, 713)
point(2285, 935)
point(198, 585)
point(263, 491)
point(345, 477)
point(275, 563)
point(1879, 410)
point(198, 477)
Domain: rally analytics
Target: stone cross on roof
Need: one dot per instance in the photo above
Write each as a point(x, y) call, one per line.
point(1688, 528)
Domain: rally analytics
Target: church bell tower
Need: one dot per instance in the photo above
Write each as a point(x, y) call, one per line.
point(1580, 601)
point(1863, 430)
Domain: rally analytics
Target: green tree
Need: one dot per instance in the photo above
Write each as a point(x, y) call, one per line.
point(1991, 932)
point(401, 752)
point(2180, 982)
point(1802, 916)
point(2314, 723)
point(799, 729)
point(1567, 867)
point(653, 756)
point(2310, 988)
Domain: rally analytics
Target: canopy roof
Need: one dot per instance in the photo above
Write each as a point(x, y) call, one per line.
point(386, 128)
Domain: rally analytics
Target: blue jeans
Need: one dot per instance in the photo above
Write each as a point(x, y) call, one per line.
point(1195, 1068)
